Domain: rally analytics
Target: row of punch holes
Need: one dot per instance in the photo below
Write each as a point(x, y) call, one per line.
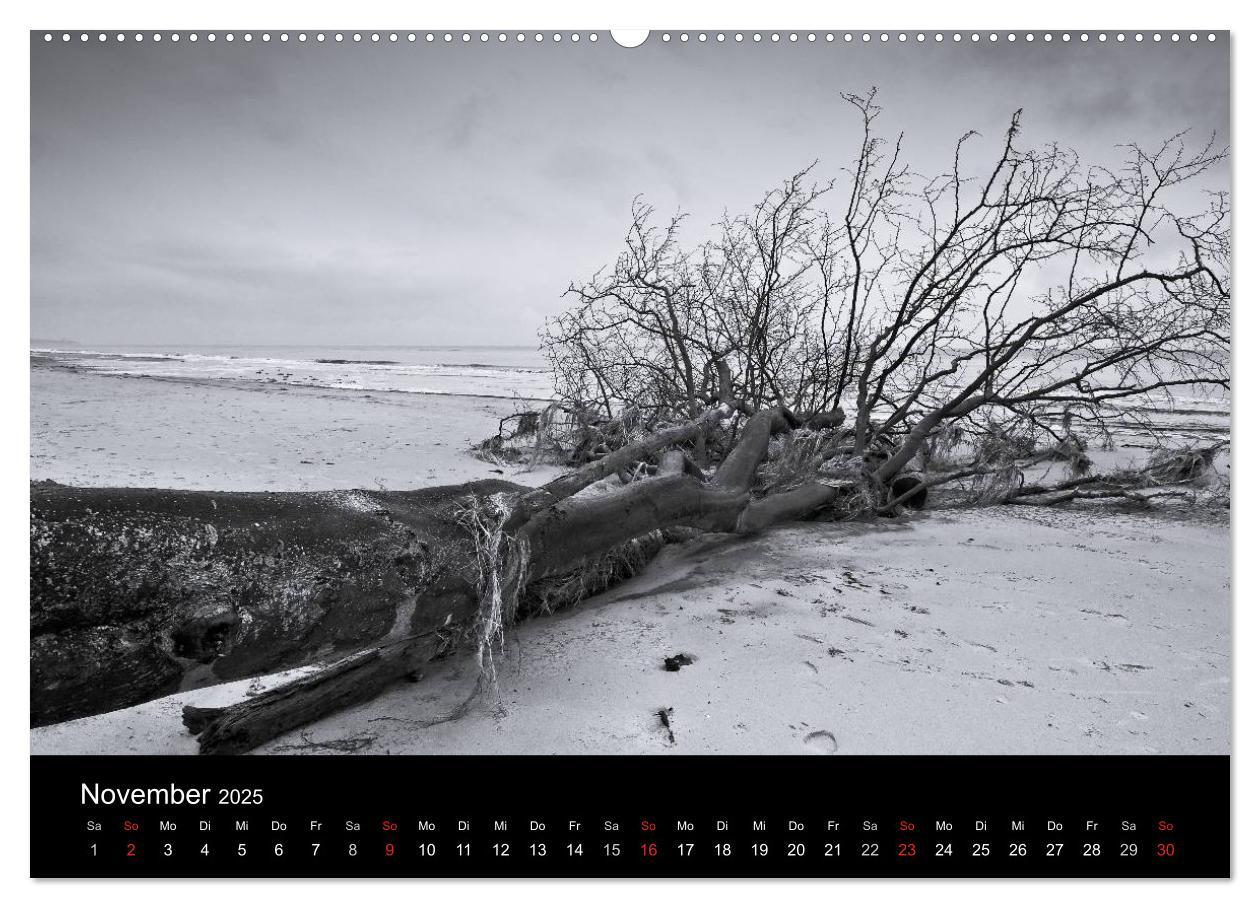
point(628, 38)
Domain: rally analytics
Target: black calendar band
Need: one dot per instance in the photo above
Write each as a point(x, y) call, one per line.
point(344, 816)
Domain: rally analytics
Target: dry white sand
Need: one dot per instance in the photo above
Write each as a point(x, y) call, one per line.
point(1001, 630)
point(101, 430)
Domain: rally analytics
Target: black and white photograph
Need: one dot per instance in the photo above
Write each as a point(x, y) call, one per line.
point(680, 393)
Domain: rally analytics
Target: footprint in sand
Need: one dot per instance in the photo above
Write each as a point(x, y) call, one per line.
point(821, 742)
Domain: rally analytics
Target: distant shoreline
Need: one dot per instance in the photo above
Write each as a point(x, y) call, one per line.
point(256, 386)
point(507, 374)
point(37, 345)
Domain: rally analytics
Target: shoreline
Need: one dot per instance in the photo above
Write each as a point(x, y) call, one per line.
point(274, 386)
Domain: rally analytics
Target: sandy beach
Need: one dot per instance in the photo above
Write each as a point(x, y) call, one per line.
point(982, 630)
point(102, 430)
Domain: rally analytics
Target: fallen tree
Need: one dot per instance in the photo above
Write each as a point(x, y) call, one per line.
point(138, 593)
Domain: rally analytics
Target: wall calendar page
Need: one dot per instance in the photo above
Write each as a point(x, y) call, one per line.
point(665, 453)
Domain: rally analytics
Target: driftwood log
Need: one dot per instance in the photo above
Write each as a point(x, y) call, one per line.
point(138, 593)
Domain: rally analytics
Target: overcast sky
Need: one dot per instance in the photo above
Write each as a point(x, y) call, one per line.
point(445, 194)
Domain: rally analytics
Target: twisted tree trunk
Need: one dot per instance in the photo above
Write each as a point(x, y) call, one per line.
point(413, 585)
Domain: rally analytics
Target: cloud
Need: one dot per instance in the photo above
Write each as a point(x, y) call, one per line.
point(334, 194)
